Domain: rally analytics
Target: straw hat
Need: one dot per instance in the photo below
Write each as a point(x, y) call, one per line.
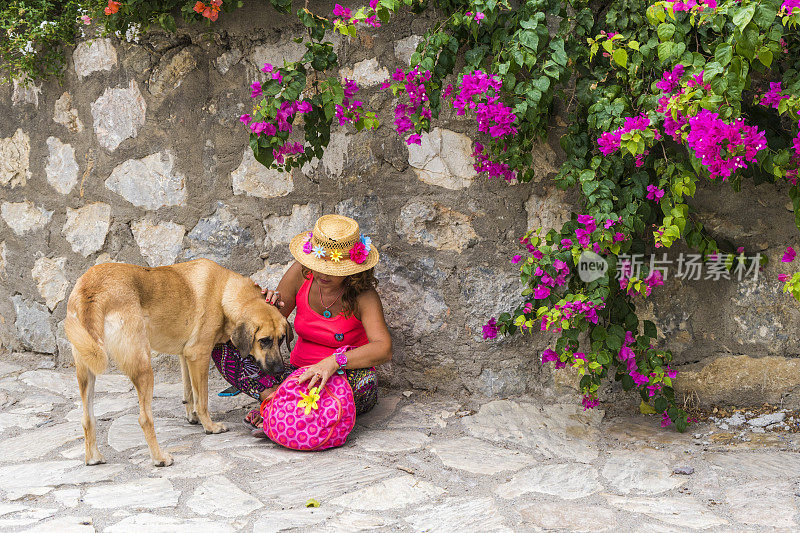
point(335, 247)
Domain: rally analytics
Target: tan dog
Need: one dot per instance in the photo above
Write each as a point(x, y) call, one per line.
point(126, 310)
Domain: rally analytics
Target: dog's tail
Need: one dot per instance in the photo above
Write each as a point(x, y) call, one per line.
point(84, 344)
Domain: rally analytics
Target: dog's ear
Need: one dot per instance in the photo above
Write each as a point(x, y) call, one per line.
point(242, 338)
point(289, 336)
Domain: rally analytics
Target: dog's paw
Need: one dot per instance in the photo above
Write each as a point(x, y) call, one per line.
point(97, 459)
point(166, 460)
point(217, 427)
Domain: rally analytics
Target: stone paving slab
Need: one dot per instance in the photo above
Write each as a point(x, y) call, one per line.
point(418, 462)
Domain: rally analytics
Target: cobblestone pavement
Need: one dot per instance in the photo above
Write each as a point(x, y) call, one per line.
point(415, 463)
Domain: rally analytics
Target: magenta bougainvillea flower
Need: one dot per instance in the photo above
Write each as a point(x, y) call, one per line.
point(790, 5)
point(717, 143)
point(654, 193)
point(490, 329)
point(671, 79)
point(589, 402)
point(773, 97)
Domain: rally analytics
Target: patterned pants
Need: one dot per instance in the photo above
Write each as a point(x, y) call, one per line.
point(245, 374)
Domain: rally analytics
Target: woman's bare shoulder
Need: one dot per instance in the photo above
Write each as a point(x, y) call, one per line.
point(294, 276)
point(369, 299)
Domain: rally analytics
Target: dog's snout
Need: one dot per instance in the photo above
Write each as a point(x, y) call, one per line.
point(272, 367)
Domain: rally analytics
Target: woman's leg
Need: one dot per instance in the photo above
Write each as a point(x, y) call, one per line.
point(241, 372)
point(254, 417)
point(364, 382)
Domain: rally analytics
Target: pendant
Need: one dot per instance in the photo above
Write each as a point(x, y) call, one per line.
point(326, 313)
point(338, 336)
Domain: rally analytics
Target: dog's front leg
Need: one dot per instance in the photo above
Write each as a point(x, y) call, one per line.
point(197, 362)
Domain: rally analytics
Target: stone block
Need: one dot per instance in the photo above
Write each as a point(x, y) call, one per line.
point(66, 115)
point(254, 179)
point(367, 73)
point(280, 229)
point(430, 223)
point(51, 279)
point(25, 92)
point(160, 243)
point(217, 236)
point(15, 153)
point(118, 115)
point(742, 380)
point(444, 158)
point(24, 217)
point(151, 182)
point(547, 211)
point(404, 48)
point(33, 325)
point(86, 228)
point(269, 276)
point(61, 168)
point(94, 56)
point(172, 68)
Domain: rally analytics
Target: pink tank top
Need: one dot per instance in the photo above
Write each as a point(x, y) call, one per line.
point(317, 336)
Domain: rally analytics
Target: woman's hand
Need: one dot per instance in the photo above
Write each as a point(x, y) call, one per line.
point(319, 373)
point(273, 297)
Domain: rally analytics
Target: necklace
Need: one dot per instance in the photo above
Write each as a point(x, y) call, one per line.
point(327, 313)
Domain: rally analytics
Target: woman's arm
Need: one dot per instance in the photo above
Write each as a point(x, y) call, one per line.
point(376, 352)
point(379, 348)
point(285, 294)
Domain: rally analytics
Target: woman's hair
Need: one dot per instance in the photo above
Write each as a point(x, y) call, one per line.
point(354, 285)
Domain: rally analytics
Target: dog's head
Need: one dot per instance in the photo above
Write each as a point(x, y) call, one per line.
point(261, 335)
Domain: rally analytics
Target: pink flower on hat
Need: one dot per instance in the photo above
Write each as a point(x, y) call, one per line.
point(358, 253)
point(308, 247)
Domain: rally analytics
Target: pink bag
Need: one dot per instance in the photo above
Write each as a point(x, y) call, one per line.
point(300, 419)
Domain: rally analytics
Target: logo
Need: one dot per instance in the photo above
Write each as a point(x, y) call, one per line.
point(338, 336)
point(591, 266)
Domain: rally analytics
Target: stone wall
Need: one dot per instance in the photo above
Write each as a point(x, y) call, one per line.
point(139, 157)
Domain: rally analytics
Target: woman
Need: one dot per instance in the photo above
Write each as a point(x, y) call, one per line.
point(332, 286)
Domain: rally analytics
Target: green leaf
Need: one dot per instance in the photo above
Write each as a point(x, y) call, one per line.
point(665, 31)
point(621, 57)
point(765, 56)
point(765, 15)
point(543, 83)
point(167, 22)
point(650, 329)
point(646, 409)
point(589, 187)
point(475, 56)
point(743, 16)
point(599, 333)
point(665, 50)
point(627, 382)
point(723, 53)
point(712, 69)
point(529, 39)
point(614, 343)
point(660, 404)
